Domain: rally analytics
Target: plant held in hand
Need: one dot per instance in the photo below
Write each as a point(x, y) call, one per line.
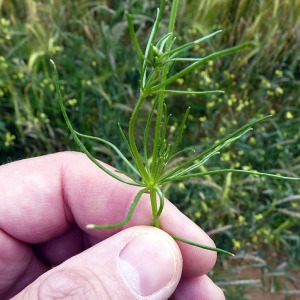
point(150, 168)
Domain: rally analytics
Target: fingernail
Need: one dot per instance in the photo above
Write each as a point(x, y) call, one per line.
point(147, 263)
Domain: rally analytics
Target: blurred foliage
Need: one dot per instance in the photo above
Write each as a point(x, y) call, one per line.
point(90, 43)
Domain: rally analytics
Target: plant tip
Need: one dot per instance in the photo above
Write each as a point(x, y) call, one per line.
point(90, 226)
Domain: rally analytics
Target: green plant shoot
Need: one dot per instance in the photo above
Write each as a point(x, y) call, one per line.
point(149, 167)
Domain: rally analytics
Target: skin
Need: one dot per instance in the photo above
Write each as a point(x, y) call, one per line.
point(47, 253)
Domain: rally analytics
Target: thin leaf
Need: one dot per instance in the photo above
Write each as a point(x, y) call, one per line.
point(197, 64)
point(146, 133)
point(213, 149)
point(151, 42)
point(245, 172)
point(189, 92)
point(172, 53)
point(77, 140)
point(128, 217)
point(134, 38)
point(120, 154)
point(175, 237)
point(161, 205)
point(180, 133)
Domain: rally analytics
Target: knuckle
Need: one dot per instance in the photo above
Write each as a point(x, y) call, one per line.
point(67, 284)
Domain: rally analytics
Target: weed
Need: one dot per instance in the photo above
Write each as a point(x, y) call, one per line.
point(150, 169)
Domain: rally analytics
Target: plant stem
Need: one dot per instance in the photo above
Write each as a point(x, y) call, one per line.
point(155, 221)
point(161, 96)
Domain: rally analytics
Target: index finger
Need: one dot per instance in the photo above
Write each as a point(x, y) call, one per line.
point(41, 198)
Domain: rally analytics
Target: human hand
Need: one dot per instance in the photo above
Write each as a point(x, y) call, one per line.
point(45, 204)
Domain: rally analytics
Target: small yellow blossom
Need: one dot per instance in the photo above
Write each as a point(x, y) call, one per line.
point(247, 168)
point(210, 104)
point(222, 130)
point(203, 119)
point(243, 85)
point(181, 186)
point(236, 244)
point(173, 128)
point(278, 73)
point(72, 102)
point(279, 91)
point(241, 220)
point(289, 115)
point(225, 156)
point(240, 107)
point(237, 165)
point(252, 140)
point(198, 214)
point(258, 217)
point(266, 83)
point(9, 139)
point(180, 81)
point(4, 22)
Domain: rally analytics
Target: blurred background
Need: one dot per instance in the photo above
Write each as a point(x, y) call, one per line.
point(256, 218)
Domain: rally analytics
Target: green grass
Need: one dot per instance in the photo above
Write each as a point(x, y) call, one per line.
point(90, 43)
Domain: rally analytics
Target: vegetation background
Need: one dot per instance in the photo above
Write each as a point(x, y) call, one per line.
point(256, 218)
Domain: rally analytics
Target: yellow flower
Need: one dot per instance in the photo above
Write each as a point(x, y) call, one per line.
point(237, 165)
point(9, 139)
point(210, 104)
point(279, 91)
point(181, 186)
point(236, 244)
point(241, 220)
point(252, 140)
point(180, 81)
point(72, 102)
point(258, 217)
point(225, 156)
point(203, 119)
point(289, 115)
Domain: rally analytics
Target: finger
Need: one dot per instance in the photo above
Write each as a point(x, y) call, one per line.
point(17, 271)
point(198, 288)
point(61, 248)
point(43, 197)
point(136, 263)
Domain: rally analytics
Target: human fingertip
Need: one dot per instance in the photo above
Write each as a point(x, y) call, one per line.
point(150, 263)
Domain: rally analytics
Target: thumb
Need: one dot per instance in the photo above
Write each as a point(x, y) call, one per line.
point(135, 263)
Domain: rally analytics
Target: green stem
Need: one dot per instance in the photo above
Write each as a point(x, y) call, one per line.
point(155, 221)
point(157, 137)
point(143, 67)
point(172, 21)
